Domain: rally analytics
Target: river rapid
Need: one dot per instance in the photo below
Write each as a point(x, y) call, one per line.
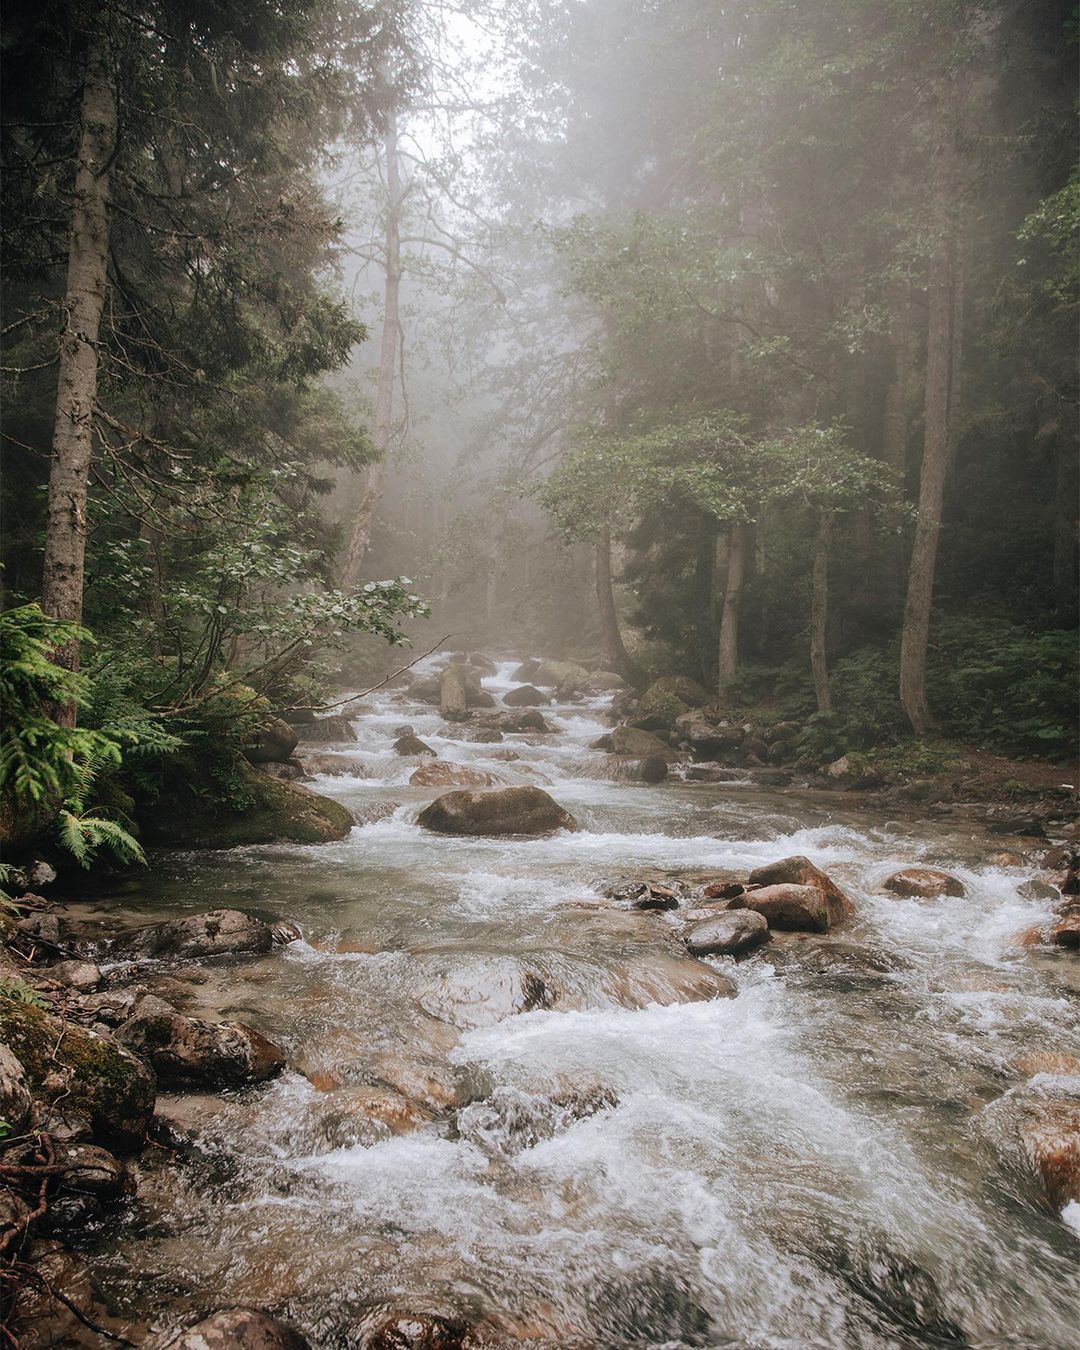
point(821, 1161)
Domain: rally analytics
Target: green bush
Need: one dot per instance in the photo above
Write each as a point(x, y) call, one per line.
point(1006, 689)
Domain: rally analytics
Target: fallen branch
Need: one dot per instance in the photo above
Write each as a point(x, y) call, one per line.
point(382, 683)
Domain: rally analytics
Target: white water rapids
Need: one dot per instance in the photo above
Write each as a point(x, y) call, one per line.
point(817, 1162)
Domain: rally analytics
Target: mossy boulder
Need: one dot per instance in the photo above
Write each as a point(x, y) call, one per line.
point(241, 806)
point(89, 1075)
point(666, 699)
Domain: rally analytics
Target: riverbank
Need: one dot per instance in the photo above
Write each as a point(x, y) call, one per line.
point(499, 1086)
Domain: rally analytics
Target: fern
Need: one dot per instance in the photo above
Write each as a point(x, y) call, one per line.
point(84, 836)
point(18, 991)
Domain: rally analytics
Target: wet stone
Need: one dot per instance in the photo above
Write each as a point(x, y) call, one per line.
point(728, 934)
point(925, 883)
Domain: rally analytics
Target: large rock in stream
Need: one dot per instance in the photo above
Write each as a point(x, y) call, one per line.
point(230, 1329)
point(452, 694)
point(191, 1052)
point(516, 810)
point(445, 773)
point(728, 934)
point(104, 1091)
point(794, 909)
point(525, 696)
point(221, 932)
point(257, 810)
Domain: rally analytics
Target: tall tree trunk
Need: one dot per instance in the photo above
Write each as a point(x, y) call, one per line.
point(373, 476)
point(728, 656)
point(76, 392)
point(945, 299)
point(704, 595)
point(1065, 531)
point(613, 652)
point(819, 612)
point(894, 431)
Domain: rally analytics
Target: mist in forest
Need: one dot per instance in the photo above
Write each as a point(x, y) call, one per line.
point(520, 518)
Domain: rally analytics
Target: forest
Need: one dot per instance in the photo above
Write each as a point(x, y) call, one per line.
point(409, 407)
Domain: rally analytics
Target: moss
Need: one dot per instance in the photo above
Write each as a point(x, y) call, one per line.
point(195, 812)
point(92, 1075)
point(661, 704)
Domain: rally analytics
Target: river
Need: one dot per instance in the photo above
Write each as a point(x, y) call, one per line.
point(817, 1162)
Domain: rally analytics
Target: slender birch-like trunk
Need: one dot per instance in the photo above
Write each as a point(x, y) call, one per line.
point(728, 656)
point(76, 392)
point(613, 651)
point(374, 475)
point(819, 612)
point(943, 350)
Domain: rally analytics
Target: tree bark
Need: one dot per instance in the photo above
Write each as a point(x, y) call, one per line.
point(1065, 532)
point(704, 595)
point(612, 649)
point(894, 431)
point(945, 298)
point(728, 656)
point(373, 476)
point(76, 392)
point(819, 612)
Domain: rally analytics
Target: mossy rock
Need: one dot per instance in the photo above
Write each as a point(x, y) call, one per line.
point(667, 699)
point(252, 808)
point(81, 1072)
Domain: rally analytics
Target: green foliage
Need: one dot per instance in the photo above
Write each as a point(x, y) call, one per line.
point(40, 759)
point(18, 991)
point(1005, 688)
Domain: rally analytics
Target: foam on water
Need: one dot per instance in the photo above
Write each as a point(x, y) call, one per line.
point(806, 1165)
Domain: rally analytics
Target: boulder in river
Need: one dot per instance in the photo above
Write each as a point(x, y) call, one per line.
point(790, 907)
point(480, 991)
point(96, 1079)
point(728, 934)
point(520, 720)
point(327, 730)
point(925, 883)
point(81, 976)
point(410, 744)
point(526, 671)
point(231, 1328)
point(800, 871)
point(525, 696)
point(514, 810)
point(483, 735)
point(653, 768)
point(632, 743)
point(560, 675)
point(443, 773)
point(666, 699)
point(657, 977)
point(221, 932)
point(258, 809)
point(452, 696)
point(273, 744)
point(191, 1052)
point(394, 1329)
point(605, 681)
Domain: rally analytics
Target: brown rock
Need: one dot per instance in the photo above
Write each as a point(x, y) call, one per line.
point(453, 699)
point(1048, 1061)
point(220, 932)
point(1050, 1134)
point(926, 883)
point(525, 696)
point(790, 907)
point(442, 773)
point(231, 1329)
point(517, 810)
point(1065, 932)
point(191, 1052)
point(799, 871)
point(274, 743)
point(416, 1331)
point(411, 744)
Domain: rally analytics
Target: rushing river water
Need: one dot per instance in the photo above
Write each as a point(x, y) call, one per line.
point(818, 1162)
